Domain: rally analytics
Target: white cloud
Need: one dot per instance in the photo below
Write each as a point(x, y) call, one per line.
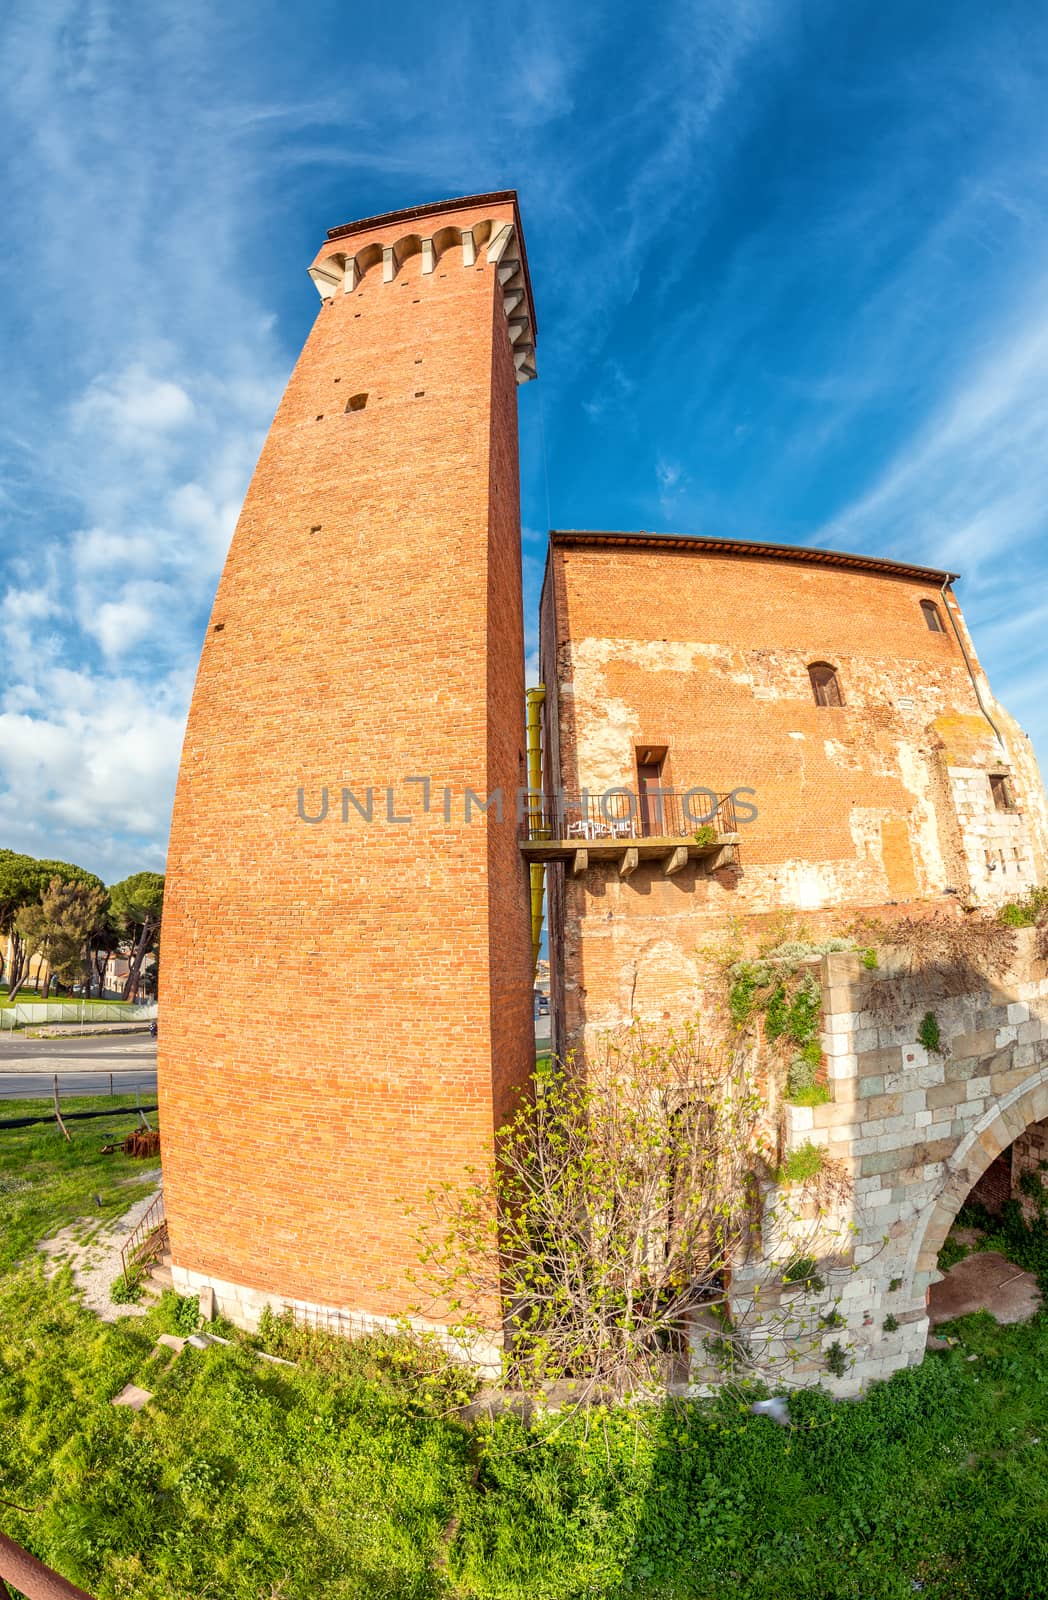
point(133, 403)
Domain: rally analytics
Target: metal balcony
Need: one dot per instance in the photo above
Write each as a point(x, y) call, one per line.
point(671, 825)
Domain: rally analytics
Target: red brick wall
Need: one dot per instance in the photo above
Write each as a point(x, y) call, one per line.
point(883, 800)
point(345, 1005)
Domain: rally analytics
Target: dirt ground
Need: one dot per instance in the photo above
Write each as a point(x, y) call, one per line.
point(94, 1254)
point(987, 1281)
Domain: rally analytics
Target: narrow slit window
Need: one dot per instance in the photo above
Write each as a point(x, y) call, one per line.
point(933, 616)
point(356, 402)
point(1001, 789)
point(825, 685)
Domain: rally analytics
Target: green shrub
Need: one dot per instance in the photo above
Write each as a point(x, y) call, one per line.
point(890, 1323)
point(837, 1359)
point(742, 993)
point(928, 1033)
point(816, 1094)
point(951, 1252)
point(802, 1271)
point(869, 958)
point(707, 834)
point(805, 1162)
point(126, 1290)
point(1024, 913)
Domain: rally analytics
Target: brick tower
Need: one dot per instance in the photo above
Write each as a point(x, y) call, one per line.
point(346, 1004)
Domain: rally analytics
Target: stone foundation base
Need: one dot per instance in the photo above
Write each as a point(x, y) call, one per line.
point(243, 1306)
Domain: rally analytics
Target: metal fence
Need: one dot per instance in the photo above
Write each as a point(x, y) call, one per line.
point(33, 1013)
point(624, 814)
point(146, 1241)
point(31, 1577)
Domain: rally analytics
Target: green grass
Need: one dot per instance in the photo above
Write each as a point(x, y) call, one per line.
point(351, 1475)
point(23, 995)
point(46, 1183)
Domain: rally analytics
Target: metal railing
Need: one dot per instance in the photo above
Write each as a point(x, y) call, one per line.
point(147, 1239)
point(31, 1577)
point(625, 814)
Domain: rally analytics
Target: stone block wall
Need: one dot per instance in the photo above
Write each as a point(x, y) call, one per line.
point(914, 1129)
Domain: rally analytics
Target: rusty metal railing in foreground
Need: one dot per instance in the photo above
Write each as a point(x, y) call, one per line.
point(146, 1241)
point(31, 1577)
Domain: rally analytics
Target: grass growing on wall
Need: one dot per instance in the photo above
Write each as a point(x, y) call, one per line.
point(354, 1473)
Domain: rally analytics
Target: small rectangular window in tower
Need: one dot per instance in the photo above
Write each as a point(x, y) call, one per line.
point(1001, 789)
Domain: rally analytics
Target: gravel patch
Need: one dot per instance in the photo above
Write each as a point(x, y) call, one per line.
point(94, 1255)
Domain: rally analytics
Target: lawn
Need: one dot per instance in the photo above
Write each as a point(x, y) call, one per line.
point(351, 1473)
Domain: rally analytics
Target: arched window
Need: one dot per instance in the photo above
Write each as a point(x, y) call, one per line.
point(825, 685)
point(932, 616)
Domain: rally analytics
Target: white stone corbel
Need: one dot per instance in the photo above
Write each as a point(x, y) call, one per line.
point(390, 264)
point(429, 255)
point(325, 280)
point(499, 243)
point(511, 300)
point(349, 281)
point(518, 328)
point(469, 248)
point(508, 270)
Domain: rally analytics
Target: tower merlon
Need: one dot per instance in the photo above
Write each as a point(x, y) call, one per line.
point(481, 230)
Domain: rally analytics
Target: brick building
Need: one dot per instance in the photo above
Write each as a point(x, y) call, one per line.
point(730, 731)
point(840, 694)
point(364, 663)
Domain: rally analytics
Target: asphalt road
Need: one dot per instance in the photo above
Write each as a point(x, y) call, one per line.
point(28, 1066)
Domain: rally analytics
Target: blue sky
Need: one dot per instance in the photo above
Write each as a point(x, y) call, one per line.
point(791, 271)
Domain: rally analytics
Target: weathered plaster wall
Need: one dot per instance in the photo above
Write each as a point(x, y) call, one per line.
point(885, 801)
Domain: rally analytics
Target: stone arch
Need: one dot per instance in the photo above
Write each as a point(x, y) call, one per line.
point(370, 256)
point(408, 246)
point(446, 239)
point(999, 1126)
point(328, 273)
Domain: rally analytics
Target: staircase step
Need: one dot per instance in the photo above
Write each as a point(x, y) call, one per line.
point(161, 1276)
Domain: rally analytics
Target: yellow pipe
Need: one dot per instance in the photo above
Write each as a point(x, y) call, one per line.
point(535, 699)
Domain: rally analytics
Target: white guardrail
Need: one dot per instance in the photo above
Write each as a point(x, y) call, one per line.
point(35, 1012)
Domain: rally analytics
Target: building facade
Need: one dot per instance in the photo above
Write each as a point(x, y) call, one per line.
point(731, 732)
point(837, 698)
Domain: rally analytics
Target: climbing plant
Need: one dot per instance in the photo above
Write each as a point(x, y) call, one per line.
point(778, 988)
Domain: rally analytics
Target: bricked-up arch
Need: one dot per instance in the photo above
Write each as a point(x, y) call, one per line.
point(1002, 1123)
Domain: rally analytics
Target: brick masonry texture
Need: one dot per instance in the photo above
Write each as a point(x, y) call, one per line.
point(367, 1020)
point(883, 802)
point(369, 1007)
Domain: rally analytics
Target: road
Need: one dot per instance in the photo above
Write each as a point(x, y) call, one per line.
point(28, 1066)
